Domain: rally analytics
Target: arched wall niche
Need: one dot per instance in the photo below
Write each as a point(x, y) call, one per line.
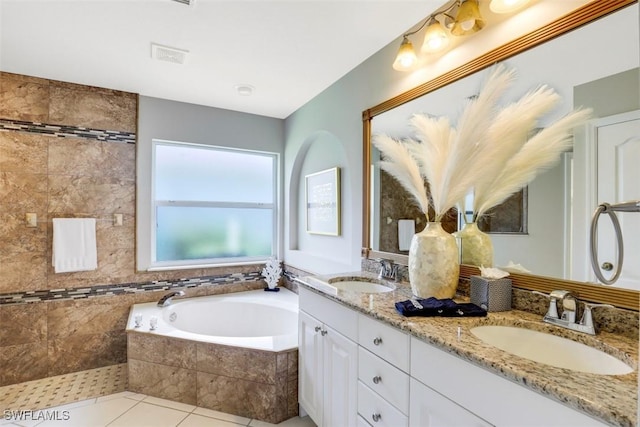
point(319, 151)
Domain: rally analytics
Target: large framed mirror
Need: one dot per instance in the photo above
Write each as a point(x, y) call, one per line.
point(605, 78)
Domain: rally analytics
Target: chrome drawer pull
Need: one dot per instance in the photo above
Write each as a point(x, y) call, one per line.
point(377, 341)
point(376, 417)
point(377, 379)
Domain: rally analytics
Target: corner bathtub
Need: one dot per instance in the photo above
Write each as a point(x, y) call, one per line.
point(235, 353)
point(252, 319)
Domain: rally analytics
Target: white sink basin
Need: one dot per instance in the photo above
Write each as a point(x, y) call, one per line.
point(359, 286)
point(551, 350)
point(350, 284)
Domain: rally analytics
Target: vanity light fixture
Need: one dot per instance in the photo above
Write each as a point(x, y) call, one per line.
point(468, 20)
point(506, 6)
point(406, 58)
point(456, 17)
point(436, 38)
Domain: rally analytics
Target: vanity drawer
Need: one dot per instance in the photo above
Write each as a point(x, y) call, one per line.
point(385, 341)
point(385, 379)
point(333, 314)
point(377, 411)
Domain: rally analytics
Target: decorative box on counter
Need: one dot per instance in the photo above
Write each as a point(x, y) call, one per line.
point(491, 294)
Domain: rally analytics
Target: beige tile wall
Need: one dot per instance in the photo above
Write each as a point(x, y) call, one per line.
point(68, 177)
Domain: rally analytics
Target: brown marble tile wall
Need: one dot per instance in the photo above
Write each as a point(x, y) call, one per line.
point(246, 382)
point(24, 98)
point(92, 107)
point(23, 343)
point(64, 177)
point(48, 101)
point(69, 177)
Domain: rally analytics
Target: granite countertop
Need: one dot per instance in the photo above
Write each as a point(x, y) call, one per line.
point(610, 398)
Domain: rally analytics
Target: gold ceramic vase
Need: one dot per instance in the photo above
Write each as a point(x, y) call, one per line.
point(475, 245)
point(434, 264)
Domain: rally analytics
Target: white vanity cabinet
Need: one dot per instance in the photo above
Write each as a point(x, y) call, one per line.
point(475, 394)
point(328, 360)
point(357, 371)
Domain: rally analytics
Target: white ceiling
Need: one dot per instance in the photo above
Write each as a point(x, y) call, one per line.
point(288, 50)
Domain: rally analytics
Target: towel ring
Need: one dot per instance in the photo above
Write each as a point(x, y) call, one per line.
point(606, 209)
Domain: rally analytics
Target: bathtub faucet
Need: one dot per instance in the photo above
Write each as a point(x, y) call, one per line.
point(166, 300)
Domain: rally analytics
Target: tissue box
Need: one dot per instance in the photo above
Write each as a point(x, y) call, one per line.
point(491, 294)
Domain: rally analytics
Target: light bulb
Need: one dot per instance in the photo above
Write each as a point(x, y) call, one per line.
point(435, 38)
point(468, 24)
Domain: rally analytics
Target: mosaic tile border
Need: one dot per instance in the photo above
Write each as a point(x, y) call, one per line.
point(124, 288)
point(62, 131)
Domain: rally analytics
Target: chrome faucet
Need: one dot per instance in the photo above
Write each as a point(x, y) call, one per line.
point(166, 300)
point(569, 311)
point(388, 270)
point(569, 305)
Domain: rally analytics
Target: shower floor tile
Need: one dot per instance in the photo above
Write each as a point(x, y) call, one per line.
point(98, 398)
point(63, 389)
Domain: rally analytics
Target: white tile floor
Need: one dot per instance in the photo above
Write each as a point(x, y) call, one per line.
point(129, 409)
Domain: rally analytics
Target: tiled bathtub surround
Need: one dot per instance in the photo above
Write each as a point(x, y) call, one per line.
point(54, 337)
point(246, 382)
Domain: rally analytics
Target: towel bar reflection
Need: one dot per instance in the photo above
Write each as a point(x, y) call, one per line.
point(31, 219)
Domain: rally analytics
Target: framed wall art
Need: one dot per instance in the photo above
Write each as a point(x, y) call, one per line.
point(322, 201)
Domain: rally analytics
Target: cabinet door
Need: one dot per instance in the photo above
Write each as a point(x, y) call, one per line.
point(340, 380)
point(310, 369)
point(431, 409)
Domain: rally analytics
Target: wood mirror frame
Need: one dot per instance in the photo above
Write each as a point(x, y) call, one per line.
point(623, 298)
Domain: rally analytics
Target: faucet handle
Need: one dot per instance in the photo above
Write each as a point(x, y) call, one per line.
point(552, 312)
point(587, 316)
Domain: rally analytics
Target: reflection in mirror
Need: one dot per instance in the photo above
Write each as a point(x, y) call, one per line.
point(592, 66)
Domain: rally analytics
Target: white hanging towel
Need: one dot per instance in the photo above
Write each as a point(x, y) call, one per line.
point(406, 230)
point(74, 245)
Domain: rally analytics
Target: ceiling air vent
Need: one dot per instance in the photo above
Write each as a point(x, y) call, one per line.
point(168, 54)
point(187, 2)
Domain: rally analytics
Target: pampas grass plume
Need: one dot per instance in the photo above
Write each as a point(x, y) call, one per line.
point(403, 167)
point(488, 151)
